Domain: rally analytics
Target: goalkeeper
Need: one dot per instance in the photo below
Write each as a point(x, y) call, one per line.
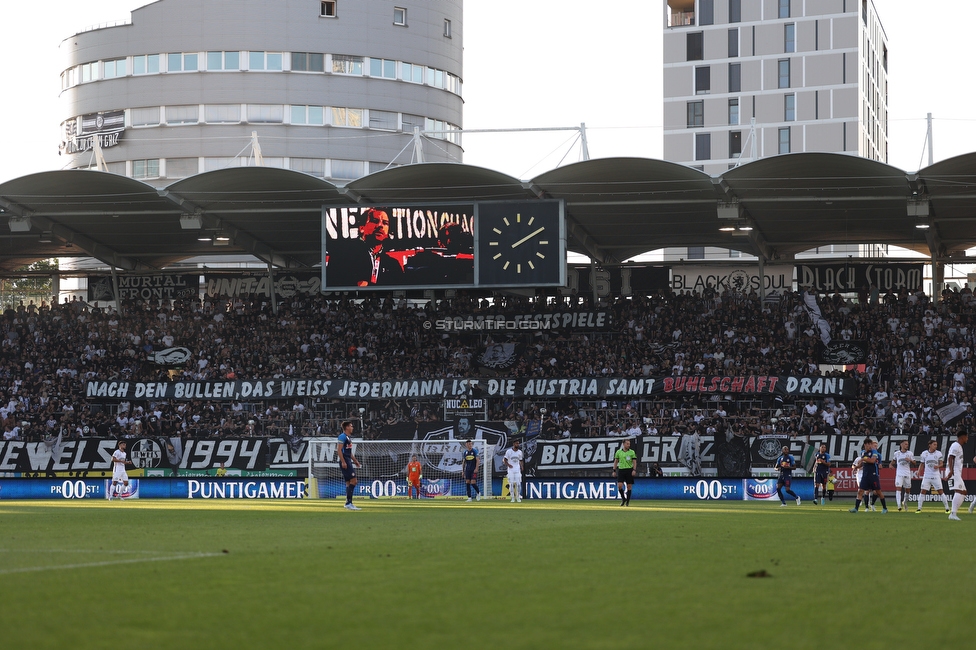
point(414, 477)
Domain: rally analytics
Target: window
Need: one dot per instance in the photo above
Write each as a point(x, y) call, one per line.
point(703, 80)
point(735, 144)
point(307, 62)
point(784, 73)
point(182, 62)
point(784, 8)
point(733, 43)
point(412, 73)
point(223, 60)
point(408, 122)
point(265, 113)
point(264, 61)
point(696, 252)
point(706, 12)
point(735, 11)
point(311, 115)
point(695, 49)
point(181, 167)
point(447, 28)
point(789, 36)
point(342, 64)
point(382, 68)
point(347, 117)
point(703, 146)
point(435, 78)
point(734, 111)
point(87, 72)
point(145, 64)
point(182, 114)
point(452, 83)
point(789, 113)
point(213, 164)
point(784, 140)
point(383, 120)
point(735, 77)
point(145, 168)
point(438, 129)
point(696, 114)
point(347, 169)
point(110, 69)
point(328, 9)
point(312, 166)
point(400, 16)
point(222, 113)
point(144, 116)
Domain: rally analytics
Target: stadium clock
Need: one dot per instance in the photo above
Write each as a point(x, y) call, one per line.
point(521, 244)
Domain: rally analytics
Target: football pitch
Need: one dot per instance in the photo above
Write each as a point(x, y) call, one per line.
point(541, 574)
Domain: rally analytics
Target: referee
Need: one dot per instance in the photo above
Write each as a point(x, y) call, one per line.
point(623, 468)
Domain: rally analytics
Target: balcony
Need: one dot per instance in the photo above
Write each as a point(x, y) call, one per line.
point(681, 13)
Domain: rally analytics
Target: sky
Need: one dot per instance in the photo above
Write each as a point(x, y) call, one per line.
point(535, 64)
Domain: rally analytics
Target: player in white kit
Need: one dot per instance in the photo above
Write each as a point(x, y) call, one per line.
point(954, 474)
point(120, 479)
point(902, 460)
point(931, 461)
point(514, 461)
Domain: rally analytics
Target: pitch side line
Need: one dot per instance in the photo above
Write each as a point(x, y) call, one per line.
point(84, 565)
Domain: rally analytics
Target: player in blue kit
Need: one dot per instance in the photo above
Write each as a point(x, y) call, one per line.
point(348, 463)
point(472, 461)
point(871, 477)
point(785, 464)
point(821, 473)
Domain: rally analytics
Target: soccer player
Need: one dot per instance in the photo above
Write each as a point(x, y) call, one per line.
point(623, 468)
point(515, 462)
point(954, 473)
point(821, 468)
point(931, 460)
point(902, 461)
point(785, 464)
point(871, 478)
point(414, 476)
point(120, 480)
point(348, 462)
point(472, 461)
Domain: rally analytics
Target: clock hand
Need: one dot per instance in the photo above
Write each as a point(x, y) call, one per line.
point(528, 237)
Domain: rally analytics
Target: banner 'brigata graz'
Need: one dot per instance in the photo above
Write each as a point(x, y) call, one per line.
point(272, 389)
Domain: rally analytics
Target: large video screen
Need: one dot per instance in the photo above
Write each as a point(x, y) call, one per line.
point(444, 245)
point(416, 246)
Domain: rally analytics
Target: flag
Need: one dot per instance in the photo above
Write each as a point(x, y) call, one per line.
point(950, 412)
point(816, 316)
point(498, 356)
point(292, 439)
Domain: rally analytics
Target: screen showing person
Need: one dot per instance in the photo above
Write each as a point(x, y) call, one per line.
point(399, 246)
point(362, 261)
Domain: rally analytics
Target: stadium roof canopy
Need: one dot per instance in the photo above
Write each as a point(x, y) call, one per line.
point(616, 208)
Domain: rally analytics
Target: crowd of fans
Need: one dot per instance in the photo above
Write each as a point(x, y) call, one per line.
point(920, 354)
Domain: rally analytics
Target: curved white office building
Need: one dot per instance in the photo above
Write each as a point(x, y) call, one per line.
point(332, 88)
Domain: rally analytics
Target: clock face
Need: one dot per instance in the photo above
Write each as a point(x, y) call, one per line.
point(520, 243)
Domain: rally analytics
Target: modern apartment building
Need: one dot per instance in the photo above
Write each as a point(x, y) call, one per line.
point(333, 88)
point(747, 79)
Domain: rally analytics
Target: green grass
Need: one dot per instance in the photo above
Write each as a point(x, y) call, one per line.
point(542, 574)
